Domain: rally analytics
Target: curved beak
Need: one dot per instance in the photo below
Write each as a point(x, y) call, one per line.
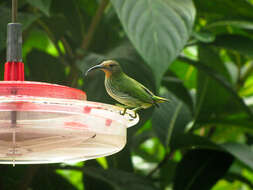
point(94, 68)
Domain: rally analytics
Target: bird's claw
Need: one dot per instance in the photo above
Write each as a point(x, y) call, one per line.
point(133, 116)
point(123, 112)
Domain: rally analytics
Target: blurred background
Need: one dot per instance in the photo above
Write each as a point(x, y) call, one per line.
point(198, 53)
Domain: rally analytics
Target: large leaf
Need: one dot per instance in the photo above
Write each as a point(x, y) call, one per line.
point(185, 72)
point(240, 151)
point(221, 82)
point(218, 10)
point(201, 168)
point(37, 61)
point(176, 87)
point(242, 24)
point(113, 33)
point(92, 183)
point(210, 97)
point(231, 176)
point(167, 173)
point(158, 29)
point(189, 141)
point(120, 180)
point(241, 44)
point(170, 119)
point(122, 160)
point(16, 177)
point(70, 10)
point(42, 5)
point(56, 25)
point(216, 97)
point(48, 179)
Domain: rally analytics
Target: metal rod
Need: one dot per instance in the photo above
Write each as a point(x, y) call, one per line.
point(14, 11)
point(14, 45)
point(14, 113)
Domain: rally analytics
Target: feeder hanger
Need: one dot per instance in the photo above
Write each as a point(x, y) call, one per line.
point(14, 67)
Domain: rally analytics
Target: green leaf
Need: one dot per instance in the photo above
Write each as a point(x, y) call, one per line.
point(158, 29)
point(70, 10)
point(15, 178)
point(170, 119)
point(56, 25)
point(91, 182)
point(204, 37)
point(111, 36)
point(231, 176)
point(221, 83)
point(122, 160)
point(240, 151)
point(217, 10)
point(50, 180)
point(238, 43)
point(216, 97)
point(176, 87)
point(120, 180)
point(37, 39)
point(235, 23)
point(211, 98)
point(201, 168)
point(45, 68)
point(190, 141)
point(42, 5)
point(185, 72)
point(166, 173)
point(243, 122)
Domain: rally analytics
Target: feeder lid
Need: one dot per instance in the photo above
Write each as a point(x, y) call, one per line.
point(48, 123)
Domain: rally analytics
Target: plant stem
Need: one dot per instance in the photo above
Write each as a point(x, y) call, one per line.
point(67, 47)
point(14, 11)
point(248, 72)
point(52, 38)
point(94, 23)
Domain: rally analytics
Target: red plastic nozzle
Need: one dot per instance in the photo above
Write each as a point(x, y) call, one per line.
point(14, 71)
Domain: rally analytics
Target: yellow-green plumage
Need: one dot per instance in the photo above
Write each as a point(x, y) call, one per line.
point(126, 90)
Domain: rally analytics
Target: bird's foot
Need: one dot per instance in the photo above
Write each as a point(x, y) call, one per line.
point(123, 112)
point(133, 116)
point(135, 112)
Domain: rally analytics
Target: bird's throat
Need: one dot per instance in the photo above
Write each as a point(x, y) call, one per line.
point(107, 73)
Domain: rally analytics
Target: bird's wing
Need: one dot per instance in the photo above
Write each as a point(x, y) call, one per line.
point(136, 90)
point(151, 95)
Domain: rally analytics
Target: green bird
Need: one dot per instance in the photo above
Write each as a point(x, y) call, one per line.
point(125, 89)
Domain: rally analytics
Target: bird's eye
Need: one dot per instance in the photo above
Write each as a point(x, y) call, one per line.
point(111, 65)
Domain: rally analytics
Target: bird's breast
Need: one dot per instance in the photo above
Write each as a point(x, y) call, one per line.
point(124, 98)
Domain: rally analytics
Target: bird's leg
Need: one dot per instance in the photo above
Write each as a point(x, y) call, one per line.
point(135, 110)
point(124, 111)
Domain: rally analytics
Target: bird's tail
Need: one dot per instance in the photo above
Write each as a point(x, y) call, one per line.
point(160, 99)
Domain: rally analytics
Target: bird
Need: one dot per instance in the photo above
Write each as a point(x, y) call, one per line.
point(126, 90)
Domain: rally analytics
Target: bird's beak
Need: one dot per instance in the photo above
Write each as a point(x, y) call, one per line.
point(94, 68)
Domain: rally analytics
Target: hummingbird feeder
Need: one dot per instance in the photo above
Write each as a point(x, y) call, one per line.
point(49, 123)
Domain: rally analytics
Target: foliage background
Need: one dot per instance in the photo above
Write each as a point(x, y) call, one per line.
point(198, 53)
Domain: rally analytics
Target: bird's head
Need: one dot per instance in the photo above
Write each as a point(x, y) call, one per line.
point(109, 67)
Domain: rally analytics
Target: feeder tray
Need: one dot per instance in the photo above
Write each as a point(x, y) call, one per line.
point(48, 123)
